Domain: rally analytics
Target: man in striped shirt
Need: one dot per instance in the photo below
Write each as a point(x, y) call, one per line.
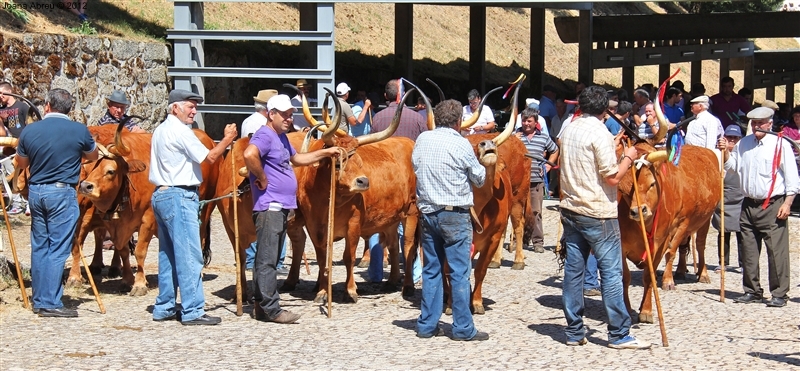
point(537, 143)
point(445, 165)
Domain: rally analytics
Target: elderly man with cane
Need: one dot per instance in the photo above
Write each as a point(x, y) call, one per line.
point(53, 148)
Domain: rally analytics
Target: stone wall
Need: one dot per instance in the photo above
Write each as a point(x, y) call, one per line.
point(89, 67)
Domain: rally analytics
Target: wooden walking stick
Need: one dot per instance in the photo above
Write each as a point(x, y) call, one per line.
point(91, 282)
point(331, 204)
point(25, 303)
point(238, 258)
point(693, 246)
point(649, 259)
point(722, 232)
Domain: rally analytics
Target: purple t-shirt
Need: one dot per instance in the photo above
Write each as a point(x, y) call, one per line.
point(276, 153)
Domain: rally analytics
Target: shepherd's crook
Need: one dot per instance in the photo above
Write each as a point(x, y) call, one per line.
point(25, 303)
point(239, 311)
point(722, 233)
point(649, 259)
point(91, 282)
point(331, 204)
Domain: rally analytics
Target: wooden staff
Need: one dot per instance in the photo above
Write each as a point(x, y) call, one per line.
point(331, 203)
point(91, 282)
point(25, 303)
point(722, 233)
point(649, 259)
point(236, 247)
point(693, 246)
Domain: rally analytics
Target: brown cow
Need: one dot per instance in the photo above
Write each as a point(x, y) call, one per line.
point(118, 188)
point(676, 201)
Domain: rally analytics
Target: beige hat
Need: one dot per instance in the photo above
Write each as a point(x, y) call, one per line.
point(700, 99)
point(612, 103)
point(761, 113)
point(264, 95)
point(770, 104)
point(302, 82)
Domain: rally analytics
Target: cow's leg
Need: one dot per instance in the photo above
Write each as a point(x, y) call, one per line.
point(146, 231)
point(350, 247)
point(115, 269)
point(497, 258)
point(410, 246)
point(518, 224)
point(393, 245)
point(667, 280)
point(702, 233)
point(365, 256)
point(297, 236)
point(646, 307)
point(121, 245)
point(318, 239)
point(96, 266)
point(487, 251)
point(683, 253)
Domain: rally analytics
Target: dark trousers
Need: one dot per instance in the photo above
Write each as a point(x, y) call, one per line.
point(270, 236)
point(727, 247)
point(536, 199)
point(762, 225)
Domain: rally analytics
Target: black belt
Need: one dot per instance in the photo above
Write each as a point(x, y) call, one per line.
point(456, 209)
point(59, 185)
point(183, 187)
point(758, 201)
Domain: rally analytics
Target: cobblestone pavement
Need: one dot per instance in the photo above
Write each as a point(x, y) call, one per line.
point(524, 319)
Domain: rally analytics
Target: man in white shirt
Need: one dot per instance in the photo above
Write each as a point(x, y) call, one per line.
point(769, 180)
point(706, 129)
point(485, 122)
point(259, 118)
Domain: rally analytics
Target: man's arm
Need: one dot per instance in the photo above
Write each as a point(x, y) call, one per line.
point(22, 162)
point(91, 156)
point(252, 159)
point(216, 153)
point(790, 178)
point(552, 159)
point(626, 163)
point(305, 159)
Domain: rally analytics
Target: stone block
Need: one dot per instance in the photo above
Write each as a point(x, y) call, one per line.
point(91, 69)
point(106, 73)
point(92, 44)
point(124, 49)
point(86, 92)
point(156, 94)
point(61, 82)
point(155, 52)
point(158, 75)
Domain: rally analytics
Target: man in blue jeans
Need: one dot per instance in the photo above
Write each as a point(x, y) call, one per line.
point(176, 155)
point(53, 148)
point(589, 216)
point(445, 165)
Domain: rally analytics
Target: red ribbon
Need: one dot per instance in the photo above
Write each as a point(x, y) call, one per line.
point(776, 161)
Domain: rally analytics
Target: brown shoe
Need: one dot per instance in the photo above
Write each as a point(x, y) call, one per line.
point(285, 317)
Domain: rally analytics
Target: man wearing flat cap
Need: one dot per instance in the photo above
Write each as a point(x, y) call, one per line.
point(117, 104)
point(175, 155)
point(769, 180)
point(706, 129)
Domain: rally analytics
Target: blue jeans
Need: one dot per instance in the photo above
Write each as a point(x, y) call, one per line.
point(375, 269)
point(54, 217)
point(271, 233)
point(446, 235)
point(582, 234)
point(251, 255)
point(590, 275)
point(180, 257)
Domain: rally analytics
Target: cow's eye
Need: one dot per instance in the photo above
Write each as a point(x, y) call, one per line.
point(111, 172)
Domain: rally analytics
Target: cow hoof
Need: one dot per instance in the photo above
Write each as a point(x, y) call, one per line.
point(74, 282)
point(321, 297)
point(679, 276)
point(138, 291)
point(448, 311)
point(494, 265)
point(363, 263)
point(95, 271)
point(518, 266)
point(634, 316)
point(704, 279)
point(645, 317)
point(348, 298)
point(408, 291)
point(114, 272)
point(478, 309)
point(667, 286)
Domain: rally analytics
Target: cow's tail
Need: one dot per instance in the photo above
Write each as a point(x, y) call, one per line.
point(207, 246)
point(530, 223)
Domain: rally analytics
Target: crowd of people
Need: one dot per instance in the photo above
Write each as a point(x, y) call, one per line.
point(578, 137)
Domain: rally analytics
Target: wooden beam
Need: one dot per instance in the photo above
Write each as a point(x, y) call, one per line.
point(696, 73)
point(724, 67)
point(538, 26)
point(683, 26)
point(790, 94)
point(748, 72)
point(477, 47)
point(628, 75)
point(585, 69)
point(404, 40)
point(663, 72)
point(771, 93)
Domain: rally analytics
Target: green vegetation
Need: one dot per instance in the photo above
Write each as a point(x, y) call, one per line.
point(16, 11)
point(85, 28)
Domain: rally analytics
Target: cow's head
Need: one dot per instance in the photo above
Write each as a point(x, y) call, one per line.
point(107, 178)
point(649, 181)
point(486, 149)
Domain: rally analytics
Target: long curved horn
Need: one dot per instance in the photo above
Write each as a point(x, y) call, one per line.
point(657, 156)
point(8, 141)
point(498, 140)
point(306, 111)
point(379, 136)
point(104, 151)
point(476, 115)
point(119, 146)
point(309, 135)
point(327, 136)
point(663, 126)
point(429, 111)
point(441, 93)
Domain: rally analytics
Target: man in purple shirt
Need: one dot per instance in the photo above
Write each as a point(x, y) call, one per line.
point(411, 123)
point(726, 103)
point(269, 158)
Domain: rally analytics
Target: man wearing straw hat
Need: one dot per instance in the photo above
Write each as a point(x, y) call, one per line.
point(300, 123)
point(259, 118)
point(117, 104)
point(53, 148)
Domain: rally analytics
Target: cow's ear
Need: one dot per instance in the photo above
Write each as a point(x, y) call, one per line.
point(135, 166)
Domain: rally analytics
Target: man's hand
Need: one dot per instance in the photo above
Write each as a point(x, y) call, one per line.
point(261, 182)
point(518, 134)
point(618, 138)
point(783, 211)
point(631, 152)
point(230, 132)
point(331, 152)
point(367, 104)
point(722, 144)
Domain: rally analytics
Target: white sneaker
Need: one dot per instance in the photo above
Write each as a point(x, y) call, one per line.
point(628, 342)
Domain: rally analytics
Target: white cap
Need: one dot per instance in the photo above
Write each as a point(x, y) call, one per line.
point(280, 102)
point(342, 88)
point(700, 99)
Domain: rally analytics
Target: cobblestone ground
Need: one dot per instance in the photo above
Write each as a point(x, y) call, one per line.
point(524, 319)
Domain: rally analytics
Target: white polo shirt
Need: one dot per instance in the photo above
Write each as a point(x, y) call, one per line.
point(176, 154)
